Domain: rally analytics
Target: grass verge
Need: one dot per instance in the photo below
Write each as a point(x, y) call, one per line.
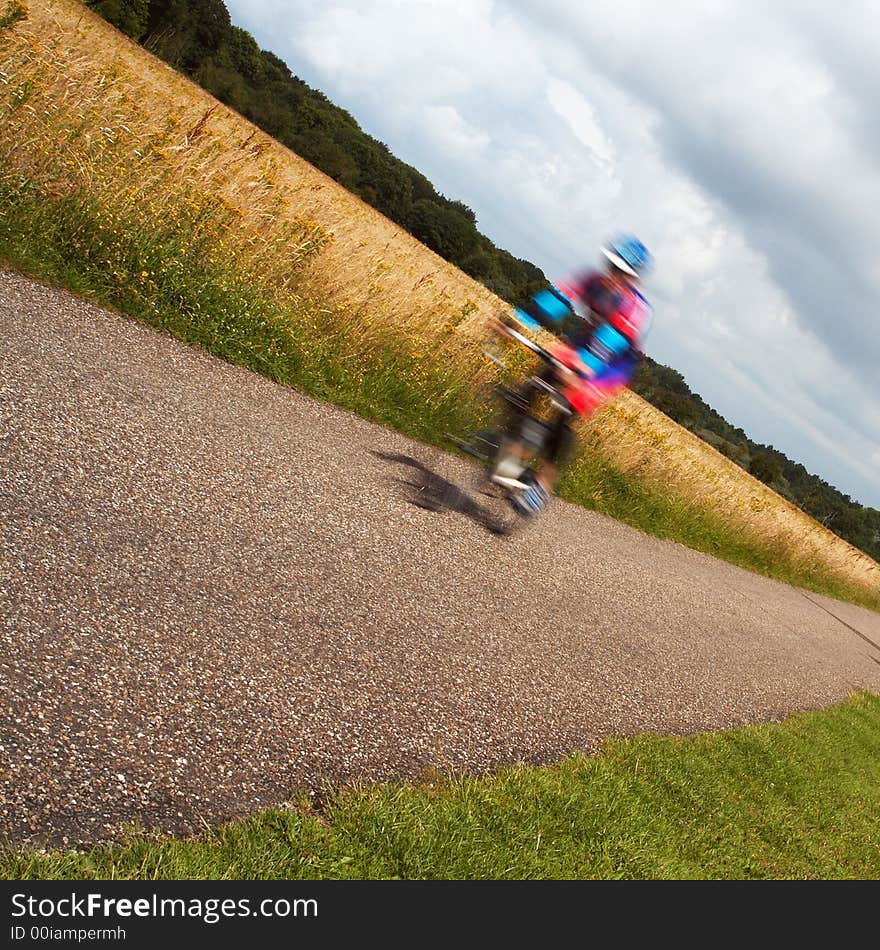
point(795, 800)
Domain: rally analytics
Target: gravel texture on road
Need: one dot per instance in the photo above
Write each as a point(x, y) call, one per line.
point(217, 593)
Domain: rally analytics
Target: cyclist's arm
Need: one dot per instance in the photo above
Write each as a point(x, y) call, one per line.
point(549, 309)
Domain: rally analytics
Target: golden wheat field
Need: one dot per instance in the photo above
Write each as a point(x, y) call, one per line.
point(102, 114)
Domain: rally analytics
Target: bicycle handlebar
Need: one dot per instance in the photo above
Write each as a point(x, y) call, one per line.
point(534, 347)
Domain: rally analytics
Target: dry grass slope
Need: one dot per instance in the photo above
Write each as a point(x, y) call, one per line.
point(98, 112)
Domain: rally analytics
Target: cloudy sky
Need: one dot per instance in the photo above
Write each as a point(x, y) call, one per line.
point(740, 140)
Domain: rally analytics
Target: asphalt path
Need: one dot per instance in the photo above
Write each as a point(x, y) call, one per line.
point(217, 593)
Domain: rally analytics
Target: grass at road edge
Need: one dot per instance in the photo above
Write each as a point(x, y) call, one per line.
point(794, 800)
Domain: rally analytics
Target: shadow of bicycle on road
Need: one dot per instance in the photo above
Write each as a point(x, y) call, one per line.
point(429, 490)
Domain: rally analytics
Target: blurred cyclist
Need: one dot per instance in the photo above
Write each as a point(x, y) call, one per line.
point(602, 319)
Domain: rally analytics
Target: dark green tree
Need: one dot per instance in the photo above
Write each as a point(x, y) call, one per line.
point(243, 54)
point(766, 467)
point(444, 230)
point(186, 32)
point(129, 16)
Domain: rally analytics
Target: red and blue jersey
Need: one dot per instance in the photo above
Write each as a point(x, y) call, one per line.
point(622, 307)
point(604, 346)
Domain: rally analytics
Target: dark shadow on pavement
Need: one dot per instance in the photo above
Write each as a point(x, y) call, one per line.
point(431, 491)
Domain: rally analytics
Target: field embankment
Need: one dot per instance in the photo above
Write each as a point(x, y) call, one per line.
point(129, 182)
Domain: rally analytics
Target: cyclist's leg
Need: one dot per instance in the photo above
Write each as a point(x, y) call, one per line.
point(559, 449)
point(512, 451)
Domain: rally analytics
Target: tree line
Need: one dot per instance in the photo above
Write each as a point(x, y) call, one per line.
point(198, 38)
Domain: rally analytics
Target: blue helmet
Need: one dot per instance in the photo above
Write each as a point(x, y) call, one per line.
point(627, 253)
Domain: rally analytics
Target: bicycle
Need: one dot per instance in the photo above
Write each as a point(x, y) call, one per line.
point(510, 452)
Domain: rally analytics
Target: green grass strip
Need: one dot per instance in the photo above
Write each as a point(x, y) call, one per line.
point(795, 800)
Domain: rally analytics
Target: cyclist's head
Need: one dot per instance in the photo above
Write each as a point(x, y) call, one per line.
point(627, 254)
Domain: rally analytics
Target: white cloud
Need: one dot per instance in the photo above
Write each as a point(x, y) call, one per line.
point(446, 129)
point(568, 103)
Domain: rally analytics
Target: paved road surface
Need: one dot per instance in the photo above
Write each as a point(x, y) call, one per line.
point(216, 592)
